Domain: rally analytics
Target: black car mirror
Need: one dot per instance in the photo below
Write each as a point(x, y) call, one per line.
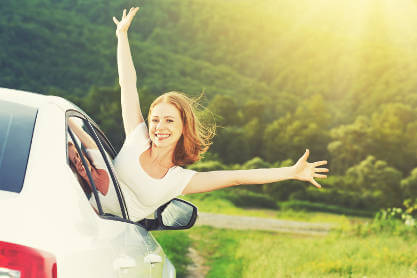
point(177, 214)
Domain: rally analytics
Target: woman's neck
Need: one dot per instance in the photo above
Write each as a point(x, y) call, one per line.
point(162, 156)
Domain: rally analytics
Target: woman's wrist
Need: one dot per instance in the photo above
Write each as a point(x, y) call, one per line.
point(121, 34)
point(291, 173)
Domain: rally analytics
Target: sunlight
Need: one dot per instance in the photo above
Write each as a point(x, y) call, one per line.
point(352, 38)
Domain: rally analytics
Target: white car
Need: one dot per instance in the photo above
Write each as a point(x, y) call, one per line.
point(55, 223)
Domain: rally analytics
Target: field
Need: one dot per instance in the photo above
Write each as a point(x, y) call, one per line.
point(354, 249)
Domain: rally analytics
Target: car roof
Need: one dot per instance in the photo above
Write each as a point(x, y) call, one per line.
point(36, 100)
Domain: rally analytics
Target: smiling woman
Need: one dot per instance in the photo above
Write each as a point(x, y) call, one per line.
point(151, 160)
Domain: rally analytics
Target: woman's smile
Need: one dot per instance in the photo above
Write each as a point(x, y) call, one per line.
point(165, 125)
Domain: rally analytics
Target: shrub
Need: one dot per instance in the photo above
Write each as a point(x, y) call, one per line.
point(245, 198)
point(309, 206)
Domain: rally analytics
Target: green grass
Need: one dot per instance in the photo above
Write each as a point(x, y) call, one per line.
point(217, 202)
point(354, 249)
point(175, 245)
point(231, 253)
point(345, 252)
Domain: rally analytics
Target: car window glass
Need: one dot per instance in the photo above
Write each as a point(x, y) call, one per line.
point(96, 166)
point(17, 122)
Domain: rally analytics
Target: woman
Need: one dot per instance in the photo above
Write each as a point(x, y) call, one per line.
point(150, 160)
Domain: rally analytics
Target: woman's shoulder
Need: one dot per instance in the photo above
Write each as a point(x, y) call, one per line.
point(138, 137)
point(135, 143)
point(139, 132)
point(181, 172)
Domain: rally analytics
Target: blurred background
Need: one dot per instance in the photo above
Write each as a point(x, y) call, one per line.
point(277, 77)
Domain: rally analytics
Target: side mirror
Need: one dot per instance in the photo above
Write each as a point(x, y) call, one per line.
point(177, 214)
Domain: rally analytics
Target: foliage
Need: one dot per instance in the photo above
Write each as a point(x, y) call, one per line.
point(409, 186)
point(265, 254)
point(378, 179)
point(309, 206)
point(275, 86)
point(175, 245)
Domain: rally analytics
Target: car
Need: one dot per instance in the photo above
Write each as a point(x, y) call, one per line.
point(56, 222)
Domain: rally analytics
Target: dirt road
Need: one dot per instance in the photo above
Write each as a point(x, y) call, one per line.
point(198, 270)
point(262, 224)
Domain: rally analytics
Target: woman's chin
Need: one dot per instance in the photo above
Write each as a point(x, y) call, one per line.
point(162, 143)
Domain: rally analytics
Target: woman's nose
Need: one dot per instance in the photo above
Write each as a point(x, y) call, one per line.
point(159, 125)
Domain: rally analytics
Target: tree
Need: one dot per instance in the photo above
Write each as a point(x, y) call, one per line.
point(231, 145)
point(225, 109)
point(376, 178)
point(409, 186)
point(350, 145)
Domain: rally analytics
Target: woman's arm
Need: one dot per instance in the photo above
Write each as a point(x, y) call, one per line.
point(302, 170)
point(84, 137)
point(131, 112)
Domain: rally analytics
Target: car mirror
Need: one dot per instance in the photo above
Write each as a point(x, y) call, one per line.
point(177, 214)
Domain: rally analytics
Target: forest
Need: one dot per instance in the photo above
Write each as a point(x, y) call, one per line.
point(276, 77)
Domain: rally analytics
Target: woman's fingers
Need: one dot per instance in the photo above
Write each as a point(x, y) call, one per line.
point(115, 20)
point(132, 12)
point(305, 155)
point(320, 163)
point(321, 170)
point(315, 183)
point(319, 176)
point(124, 14)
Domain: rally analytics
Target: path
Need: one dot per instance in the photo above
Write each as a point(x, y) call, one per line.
point(262, 224)
point(198, 270)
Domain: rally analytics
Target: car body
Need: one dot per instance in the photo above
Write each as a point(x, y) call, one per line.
point(44, 210)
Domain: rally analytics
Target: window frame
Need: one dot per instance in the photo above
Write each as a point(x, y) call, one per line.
point(94, 130)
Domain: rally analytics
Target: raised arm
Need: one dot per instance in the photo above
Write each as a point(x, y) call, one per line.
point(84, 137)
point(131, 112)
point(302, 170)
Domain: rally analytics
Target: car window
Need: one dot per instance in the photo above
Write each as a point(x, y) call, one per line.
point(16, 129)
point(81, 143)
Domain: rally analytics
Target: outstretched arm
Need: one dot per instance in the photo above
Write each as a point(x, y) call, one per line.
point(302, 170)
point(131, 112)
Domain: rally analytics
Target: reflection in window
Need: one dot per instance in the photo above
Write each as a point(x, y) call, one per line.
point(95, 165)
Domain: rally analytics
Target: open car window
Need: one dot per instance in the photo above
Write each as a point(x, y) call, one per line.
point(89, 165)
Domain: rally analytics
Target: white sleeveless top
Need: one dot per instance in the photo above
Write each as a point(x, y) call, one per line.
point(149, 193)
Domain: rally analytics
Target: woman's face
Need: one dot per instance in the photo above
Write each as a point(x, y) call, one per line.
point(165, 125)
point(77, 162)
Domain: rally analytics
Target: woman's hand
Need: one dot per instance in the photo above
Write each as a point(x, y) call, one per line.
point(123, 25)
point(306, 171)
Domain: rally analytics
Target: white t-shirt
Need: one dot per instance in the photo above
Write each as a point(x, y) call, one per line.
point(109, 202)
point(149, 193)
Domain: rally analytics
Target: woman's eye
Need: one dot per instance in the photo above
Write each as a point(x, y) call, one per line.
point(154, 120)
point(170, 121)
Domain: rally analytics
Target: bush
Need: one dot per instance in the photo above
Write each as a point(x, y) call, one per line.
point(208, 165)
point(391, 221)
point(309, 206)
point(245, 198)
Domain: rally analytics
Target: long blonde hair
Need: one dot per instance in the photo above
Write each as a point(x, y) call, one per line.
point(195, 138)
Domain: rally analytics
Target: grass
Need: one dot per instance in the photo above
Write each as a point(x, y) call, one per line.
point(216, 203)
point(232, 253)
point(346, 252)
point(175, 245)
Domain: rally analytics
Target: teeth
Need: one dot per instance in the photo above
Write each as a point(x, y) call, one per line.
point(162, 135)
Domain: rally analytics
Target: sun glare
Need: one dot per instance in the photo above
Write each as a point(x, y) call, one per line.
point(353, 38)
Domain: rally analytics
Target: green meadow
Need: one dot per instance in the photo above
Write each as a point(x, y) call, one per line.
point(357, 247)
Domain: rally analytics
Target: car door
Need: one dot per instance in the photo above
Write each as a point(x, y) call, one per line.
point(99, 182)
point(138, 237)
